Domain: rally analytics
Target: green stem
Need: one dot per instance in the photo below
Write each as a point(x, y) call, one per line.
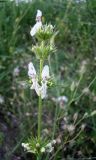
point(39, 117)
point(40, 104)
point(38, 158)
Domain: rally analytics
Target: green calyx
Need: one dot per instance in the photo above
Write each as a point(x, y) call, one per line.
point(42, 50)
point(45, 46)
point(45, 32)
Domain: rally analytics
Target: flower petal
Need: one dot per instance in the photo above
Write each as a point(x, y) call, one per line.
point(31, 70)
point(37, 88)
point(45, 73)
point(35, 28)
point(43, 90)
point(39, 13)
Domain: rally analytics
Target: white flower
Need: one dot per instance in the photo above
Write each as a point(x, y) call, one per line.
point(49, 145)
point(70, 127)
point(53, 141)
point(49, 148)
point(45, 77)
point(26, 146)
point(38, 24)
point(42, 150)
point(31, 70)
point(35, 86)
point(32, 75)
point(41, 90)
point(35, 28)
point(45, 73)
point(39, 13)
point(62, 98)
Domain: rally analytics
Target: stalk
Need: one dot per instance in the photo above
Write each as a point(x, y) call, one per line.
point(40, 105)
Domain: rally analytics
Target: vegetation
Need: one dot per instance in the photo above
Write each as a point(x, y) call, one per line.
point(69, 111)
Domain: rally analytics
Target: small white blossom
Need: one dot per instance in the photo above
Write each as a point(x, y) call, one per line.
point(39, 13)
point(42, 150)
point(49, 145)
point(54, 141)
point(45, 73)
point(38, 24)
point(45, 77)
point(32, 75)
point(31, 70)
point(49, 150)
point(70, 128)
point(62, 98)
point(26, 146)
point(35, 28)
point(41, 90)
point(37, 145)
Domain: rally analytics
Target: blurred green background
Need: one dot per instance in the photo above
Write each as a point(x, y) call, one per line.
point(73, 67)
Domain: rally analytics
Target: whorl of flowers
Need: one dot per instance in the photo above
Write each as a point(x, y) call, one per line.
point(41, 90)
point(33, 146)
point(38, 24)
